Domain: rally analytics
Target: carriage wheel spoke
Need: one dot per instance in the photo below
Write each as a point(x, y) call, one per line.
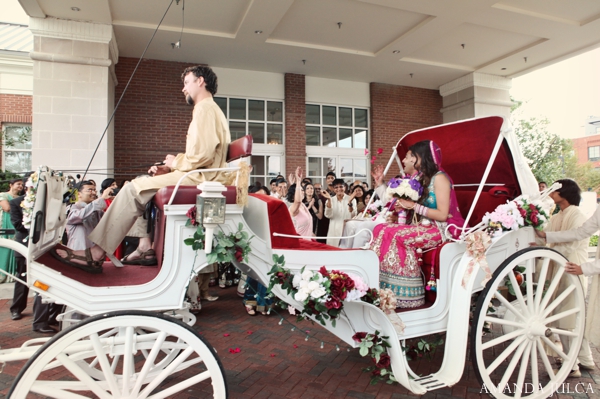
point(43, 388)
point(128, 363)
point(542, 351)
point(513, 364)
point(555, 281)
point(523, 369)
point(510, 307)
point(535, 376)
point(501, 339)
point(503, 322)
point(566, 333)
point(109, 376)
point(561, 315)
point(555, 348)
point(505, 353)
point(180, 386)
point(518, 294)
point(529, 268)
point(541, 282)
point(83, 376)
point(149, 363)
point(558, 301)
point(166, 372)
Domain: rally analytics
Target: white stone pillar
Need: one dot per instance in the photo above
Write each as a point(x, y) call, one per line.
point(475, 95)
point(73, 95)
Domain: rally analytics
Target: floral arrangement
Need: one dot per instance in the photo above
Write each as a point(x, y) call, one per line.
point(29, 200)
point(375, 346)
point(406, 188)
point(225, 248)
point(323, 293)
point(374, 209)
point(514, 215)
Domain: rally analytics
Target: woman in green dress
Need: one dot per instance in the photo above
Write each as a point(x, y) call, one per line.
point(7, 258)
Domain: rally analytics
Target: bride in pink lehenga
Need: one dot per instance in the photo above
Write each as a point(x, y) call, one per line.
point(399, 247)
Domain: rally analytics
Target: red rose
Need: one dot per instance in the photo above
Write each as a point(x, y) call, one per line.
point(359, 336)
point(522, 212)
point(532, 207)
point(376, 372)
point(333, 303)
point(384, 361)
point(324, 271)
point(191, 214)
point(534, 219)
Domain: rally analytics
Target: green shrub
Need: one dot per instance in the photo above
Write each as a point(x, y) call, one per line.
point(593, 241)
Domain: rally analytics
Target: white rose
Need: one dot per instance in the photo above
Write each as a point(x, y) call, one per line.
point(296, 280)
point(318, 292)
point(313, 285)
point(301, 296)
point(307, 275)
point(303, 285)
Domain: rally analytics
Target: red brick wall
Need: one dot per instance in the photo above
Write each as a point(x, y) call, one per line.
point(153, 117)
point(295, 122)
point(580, 146)
point(15, 108)
point(397, 110)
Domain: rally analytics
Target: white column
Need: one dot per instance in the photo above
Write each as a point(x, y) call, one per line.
point(475, 95)
point(73, 94)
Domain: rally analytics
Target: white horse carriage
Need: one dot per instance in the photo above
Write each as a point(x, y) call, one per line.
point(137, 341)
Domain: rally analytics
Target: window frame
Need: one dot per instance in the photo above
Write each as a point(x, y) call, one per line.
point(5, 148)
point(596, 150)
point(354, 128)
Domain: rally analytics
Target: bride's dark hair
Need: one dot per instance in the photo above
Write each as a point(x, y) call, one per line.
point(427, 167)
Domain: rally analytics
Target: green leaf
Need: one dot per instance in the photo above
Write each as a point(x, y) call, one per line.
point(188, 241)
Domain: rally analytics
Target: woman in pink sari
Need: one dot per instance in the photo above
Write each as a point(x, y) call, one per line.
point(400, 247)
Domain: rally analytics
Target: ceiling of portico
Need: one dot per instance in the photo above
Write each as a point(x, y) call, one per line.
point(421, 43)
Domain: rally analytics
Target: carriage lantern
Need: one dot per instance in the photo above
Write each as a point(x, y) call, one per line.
point(210, 209)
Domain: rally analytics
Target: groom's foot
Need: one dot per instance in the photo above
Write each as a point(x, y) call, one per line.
point(80, 257)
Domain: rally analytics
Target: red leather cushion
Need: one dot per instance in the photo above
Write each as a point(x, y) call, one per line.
point(239, 148)
point(187, 195)
point(280, 221)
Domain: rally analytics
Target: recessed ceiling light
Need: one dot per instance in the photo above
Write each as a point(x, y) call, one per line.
point(258, 32)
point(396, 51)
point(503, 69)
point(75, 8)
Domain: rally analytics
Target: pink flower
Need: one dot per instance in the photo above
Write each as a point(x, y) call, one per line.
point(379, 151)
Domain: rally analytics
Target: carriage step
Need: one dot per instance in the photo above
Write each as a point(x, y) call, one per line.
point(430, 382)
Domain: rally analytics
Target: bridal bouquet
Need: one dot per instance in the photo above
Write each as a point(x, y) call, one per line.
point(406, 188)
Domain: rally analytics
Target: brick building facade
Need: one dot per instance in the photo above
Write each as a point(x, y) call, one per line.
point(153, 116)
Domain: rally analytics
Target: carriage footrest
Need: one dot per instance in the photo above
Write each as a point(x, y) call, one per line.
point(430, 382)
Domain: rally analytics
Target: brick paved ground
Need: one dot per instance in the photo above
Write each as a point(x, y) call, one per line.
point(276, 362)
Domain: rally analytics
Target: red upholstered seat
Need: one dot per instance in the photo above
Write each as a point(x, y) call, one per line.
point(280, 221)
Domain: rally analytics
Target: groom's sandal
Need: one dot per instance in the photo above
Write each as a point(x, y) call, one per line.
point(147, 258)
point(91, 266)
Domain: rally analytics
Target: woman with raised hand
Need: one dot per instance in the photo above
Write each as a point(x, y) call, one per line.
point(300, 214)
point(314, 205)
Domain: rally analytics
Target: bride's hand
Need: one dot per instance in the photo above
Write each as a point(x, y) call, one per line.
point(406, 204)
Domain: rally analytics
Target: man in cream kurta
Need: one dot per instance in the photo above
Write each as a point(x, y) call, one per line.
point(570, 218)
point(207, 142)
point(592, 327)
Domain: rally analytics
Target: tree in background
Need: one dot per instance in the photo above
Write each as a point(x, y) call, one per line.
point(549, 156)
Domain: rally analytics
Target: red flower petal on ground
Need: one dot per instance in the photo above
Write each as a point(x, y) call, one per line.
point(272, 355)
point(295, 346)
point(226, 335)
point(249, 332)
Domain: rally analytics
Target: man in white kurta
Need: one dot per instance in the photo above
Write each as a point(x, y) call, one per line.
point(338, 208)
point(568, 233)
point(206, 147)
point(575, 251)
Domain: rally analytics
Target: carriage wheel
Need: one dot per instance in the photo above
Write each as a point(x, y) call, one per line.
point(125, 354)
point(509, 353)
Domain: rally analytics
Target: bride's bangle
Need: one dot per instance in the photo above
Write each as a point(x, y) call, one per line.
point(421, 209)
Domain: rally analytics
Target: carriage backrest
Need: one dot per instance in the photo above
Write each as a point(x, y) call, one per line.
point(239, 148)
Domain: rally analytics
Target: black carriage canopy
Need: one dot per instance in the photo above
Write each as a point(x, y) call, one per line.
point(467, 147)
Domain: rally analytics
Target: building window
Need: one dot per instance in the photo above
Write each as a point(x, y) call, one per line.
point(262, 119)
point(265, 168)
point(345, 167)
point(594, 153)
point(336, 126)
point(16, 148)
